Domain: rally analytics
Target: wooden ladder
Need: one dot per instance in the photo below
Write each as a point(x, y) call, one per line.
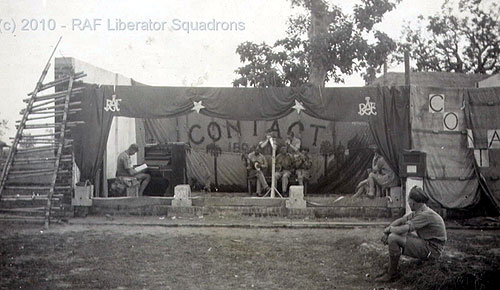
point(31, 158)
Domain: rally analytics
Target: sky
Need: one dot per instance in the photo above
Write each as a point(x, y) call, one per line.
point(166, 54)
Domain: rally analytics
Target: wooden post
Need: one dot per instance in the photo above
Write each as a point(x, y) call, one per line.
point(97, 181)
point(177, 130)
point(385, 73)
point(407, 68)
point(215, 171)
point(105, 173)
point(318, 28)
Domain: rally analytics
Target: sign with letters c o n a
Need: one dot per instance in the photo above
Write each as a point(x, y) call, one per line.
point(482, 158)
point(436, 103)
point(451, 121)
point(494, 139)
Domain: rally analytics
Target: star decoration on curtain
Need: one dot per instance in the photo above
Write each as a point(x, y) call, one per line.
point(298, 107)
point(197, 106)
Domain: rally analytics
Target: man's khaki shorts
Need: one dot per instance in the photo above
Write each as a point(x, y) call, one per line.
point(418, 248)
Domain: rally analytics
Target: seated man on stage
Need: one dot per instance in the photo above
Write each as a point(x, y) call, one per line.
point(293, 143)
point(124, 168)
point(256, 163)
point(284, 167)
point(363, 188)
point(379, 177)
point(302, 163)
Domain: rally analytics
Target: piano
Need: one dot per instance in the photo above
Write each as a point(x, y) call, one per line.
point(167, 167)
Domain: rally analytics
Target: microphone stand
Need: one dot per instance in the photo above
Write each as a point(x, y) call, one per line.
point(272, 190)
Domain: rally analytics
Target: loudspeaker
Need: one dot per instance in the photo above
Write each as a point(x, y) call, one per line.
point(412, 164)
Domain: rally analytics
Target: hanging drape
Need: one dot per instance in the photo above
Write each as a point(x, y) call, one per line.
point(90, 138)
point(482, 108)
point(391, 127)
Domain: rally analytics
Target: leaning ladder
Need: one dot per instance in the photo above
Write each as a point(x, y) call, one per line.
point(19, 164)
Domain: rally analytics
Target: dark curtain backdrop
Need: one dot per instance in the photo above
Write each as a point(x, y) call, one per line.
point(247, 104)
point(482, 113)
point(90, 139)
point(391, 126)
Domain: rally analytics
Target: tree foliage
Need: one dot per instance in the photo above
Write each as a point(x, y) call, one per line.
point(462, 38)
point(3, 127)
point(322, 43)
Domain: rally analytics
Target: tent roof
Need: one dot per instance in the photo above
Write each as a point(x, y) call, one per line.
point(431, 79)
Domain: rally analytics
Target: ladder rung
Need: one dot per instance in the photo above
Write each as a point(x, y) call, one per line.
point(55, 197)
point(16, 175)
point(58, 95)
point(39, 126)
point(41, 159)
point(29, 166)
point(51, 125)
point(36, 187)
point(14, 172)
point(42, 117)
point(38, 162)
point(56, 107)
point(43, 104)
point(40, 107)
point(41, 142)
point(41, 170)
point(42, 135)
point(46, 117)
point(71, 111)
point(59, 81)
point(40, 149)
point(36, 139)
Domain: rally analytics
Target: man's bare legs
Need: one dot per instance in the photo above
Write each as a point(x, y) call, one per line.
point(144, 179)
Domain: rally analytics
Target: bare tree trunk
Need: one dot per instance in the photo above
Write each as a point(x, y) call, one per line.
point(318, 29)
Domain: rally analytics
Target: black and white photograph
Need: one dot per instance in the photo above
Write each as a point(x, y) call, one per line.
point(279, 144)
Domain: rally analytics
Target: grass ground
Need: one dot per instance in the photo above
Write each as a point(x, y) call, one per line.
point(154, 257)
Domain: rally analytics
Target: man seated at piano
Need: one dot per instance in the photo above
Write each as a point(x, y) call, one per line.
point(124, 168)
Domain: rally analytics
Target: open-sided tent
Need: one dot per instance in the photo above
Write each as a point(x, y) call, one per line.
point(386, 109)
point(421, 118)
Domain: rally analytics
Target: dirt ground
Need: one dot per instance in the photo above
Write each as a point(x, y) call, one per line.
point(155, 257)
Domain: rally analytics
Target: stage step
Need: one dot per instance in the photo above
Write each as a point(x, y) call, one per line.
point(29, 211)
point(27, 202)
point(317, 207)
point(7, 218)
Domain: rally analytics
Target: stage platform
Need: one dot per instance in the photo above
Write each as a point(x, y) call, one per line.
point(242, 204)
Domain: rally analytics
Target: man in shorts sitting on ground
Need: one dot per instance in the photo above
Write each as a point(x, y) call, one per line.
point(420, 234)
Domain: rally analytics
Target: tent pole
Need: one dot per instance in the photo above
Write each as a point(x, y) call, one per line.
point(407, 68)
point(105, 173)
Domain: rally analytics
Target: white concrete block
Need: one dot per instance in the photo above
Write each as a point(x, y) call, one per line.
point(296, 199)
point(182, 196)
point(396, 195)
point(182, 191)
point(297, 191)
point(295, 203)
point(182, 203)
